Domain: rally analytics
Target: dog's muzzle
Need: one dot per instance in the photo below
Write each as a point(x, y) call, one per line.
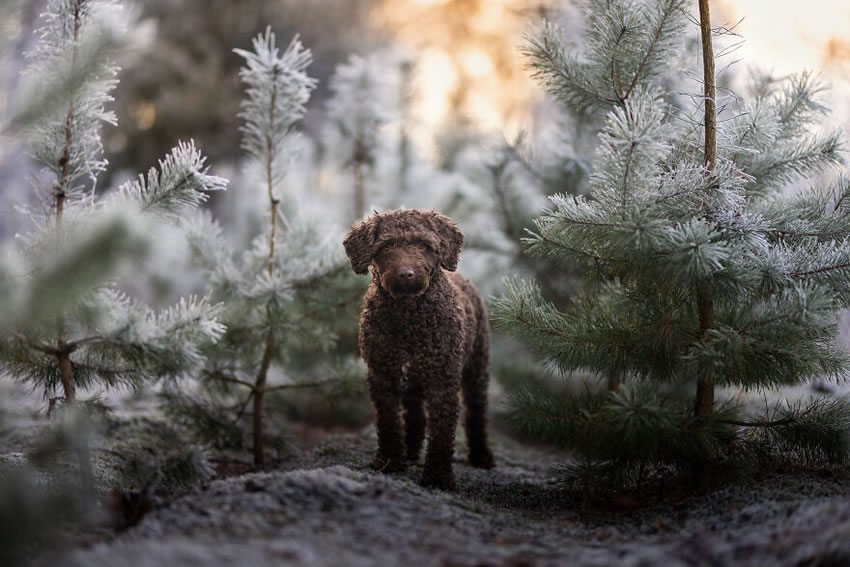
point(405, 282)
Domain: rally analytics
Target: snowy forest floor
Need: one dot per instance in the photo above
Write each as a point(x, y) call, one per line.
point(322, 506)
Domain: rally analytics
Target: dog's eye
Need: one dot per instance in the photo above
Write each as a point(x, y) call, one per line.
point(386, 247)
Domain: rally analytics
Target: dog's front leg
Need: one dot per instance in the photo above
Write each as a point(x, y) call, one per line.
point(387, 401)
point(443, 410)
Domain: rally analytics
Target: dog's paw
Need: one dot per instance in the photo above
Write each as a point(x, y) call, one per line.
point(387, 465)
point(482, 459)
point(441, 480)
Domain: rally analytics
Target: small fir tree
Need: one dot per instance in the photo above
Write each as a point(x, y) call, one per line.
point(283, 295)
point(705, 274)
point(73, 329)
point(359, 106)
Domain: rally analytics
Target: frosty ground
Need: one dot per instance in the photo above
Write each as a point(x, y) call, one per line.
point(331, 511)
point(322, 506)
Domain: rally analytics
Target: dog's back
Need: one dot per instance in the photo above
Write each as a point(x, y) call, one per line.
point(475, 312)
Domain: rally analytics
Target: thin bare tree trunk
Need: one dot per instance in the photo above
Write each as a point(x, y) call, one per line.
point(704, 405)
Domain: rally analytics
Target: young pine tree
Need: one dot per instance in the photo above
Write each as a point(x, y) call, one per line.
point(704, 272)
point(357, 109)
point(71, 328)
point(283, 295)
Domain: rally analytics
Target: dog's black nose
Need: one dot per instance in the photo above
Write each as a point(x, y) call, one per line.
point(405, 273)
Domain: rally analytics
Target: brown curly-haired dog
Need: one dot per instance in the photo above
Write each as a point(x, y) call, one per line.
point(424, 336)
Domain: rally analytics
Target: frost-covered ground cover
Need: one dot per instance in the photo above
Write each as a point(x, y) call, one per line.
point(344, 515)
point(322, 506)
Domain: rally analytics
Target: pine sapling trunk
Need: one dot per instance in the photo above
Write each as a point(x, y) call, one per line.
point(705, 303)
point(359, 193)
point(406, 72)
point(259, 394)
point(709, 89)
point(614, 379)
point(66, 373)
point(359, 161)
point(705, 384)
point(60, 192)
point(262, 375)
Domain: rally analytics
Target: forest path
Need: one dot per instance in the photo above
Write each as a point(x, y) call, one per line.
point(325, 508)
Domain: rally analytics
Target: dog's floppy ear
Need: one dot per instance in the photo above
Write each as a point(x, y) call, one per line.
point(358, 245)
point(451, 241)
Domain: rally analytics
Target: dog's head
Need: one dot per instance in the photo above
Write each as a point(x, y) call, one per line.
point(404, 247)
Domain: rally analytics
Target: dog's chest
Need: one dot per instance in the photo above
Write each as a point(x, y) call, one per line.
point(416, 330)
point(417, 324)
point(411, 333)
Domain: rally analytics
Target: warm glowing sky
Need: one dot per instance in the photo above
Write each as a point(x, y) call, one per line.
point(790, 35)
point(468, 58)
point(469, 54)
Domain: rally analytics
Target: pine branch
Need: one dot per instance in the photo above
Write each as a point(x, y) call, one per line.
point(181, 184)
point(784, 161)
point(615, 79)
point(559, 73)
point(821, 270)
point(65, 138)
point(533, 249)
point(816, 431)
point(797, 105)
point(35, 345)
point(762, 423)
point(299, 385)
point(232, 380)
point(659, 32)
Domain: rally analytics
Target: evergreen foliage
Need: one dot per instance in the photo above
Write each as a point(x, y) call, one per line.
point(659, 231)
point(277, 91)
point(358, 107)
point(66, 141)
point(517, 181)
point(626, 48)
point(179, 186)
point(36, 512)
point(281, 295)
point(70, 327)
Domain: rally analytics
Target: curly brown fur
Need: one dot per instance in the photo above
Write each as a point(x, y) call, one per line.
point(424, 336)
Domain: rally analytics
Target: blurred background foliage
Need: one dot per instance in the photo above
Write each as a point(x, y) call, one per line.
point(188, 85)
